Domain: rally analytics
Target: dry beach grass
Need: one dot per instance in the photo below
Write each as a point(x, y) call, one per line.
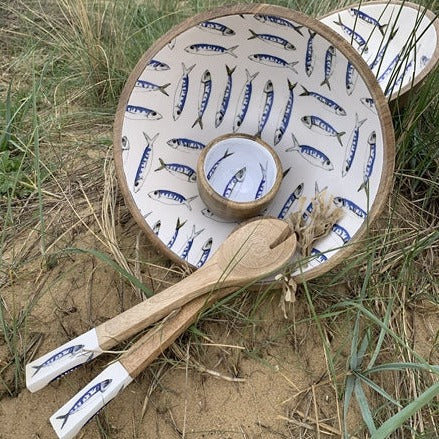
point(358, 342)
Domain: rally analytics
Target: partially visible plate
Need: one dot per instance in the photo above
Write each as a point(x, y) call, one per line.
point(398, 40)
point(253, 69)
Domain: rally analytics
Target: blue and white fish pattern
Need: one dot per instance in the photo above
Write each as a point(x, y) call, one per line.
point(149, 86)
point(294, 196)
point(314, 156)
point(266, 108)
point(318, 255)
point(353, 144)
point(397, 83)
point(205, 252)
point(382, 51)
point(210, 49)
point(214, 167)
point(174, 236)
point(181, 91)
point(185, 144)
point(243, 101)
point(350, 78)
point(239, 177)
point(83, 399)
point(272, 61)
point(274, 40)
point(368, 168)
point(278, 21)
point(216, 28)
point(157, 65)
point(370, 104)
point(156, 227)
point(351, 33)
point(204, 96)
point(224, 103)
point(285, 115)
point(368, 19)
point(71, 351)
point(328, 103)
point(350, 206)
point(189, 242)
point(182, 172)
point(308, 210)
point(309, 55)
point(145, 163)
point(318, 125)
point(389, 69)
point(330, 57)
point(170, 197)
point(139, 113)
point(125, 143)
point(341, 232)
point(262, 184)
point(210, 215)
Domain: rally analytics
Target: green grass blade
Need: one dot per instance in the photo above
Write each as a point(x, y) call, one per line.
point(105, 258)
point(377, 388)
point(409, 410)
point(399, 366)
point(349, 389)
point(364, 406)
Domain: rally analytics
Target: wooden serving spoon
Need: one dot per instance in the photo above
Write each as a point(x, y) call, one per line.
point(252, 252)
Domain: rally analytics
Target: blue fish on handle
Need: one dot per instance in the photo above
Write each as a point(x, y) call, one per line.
point(351, 206)
point(157, 65)
point(261, 188)
point(368, 19)
point(145, 163)
point(170, 197)
point(188, 245)
point(178, 226)
point(274, 40)
point(328, 103)
point(185, 144)
point(205, 251)
point(266, 108)
point(341, 232)
point(233, 182)
point(285, 115)
point(183, 172)
point(214, 167)
point(272, 61)
point(351, 33)
point(311, 155)
point(224, 103)
point(210, 49)
point(149, 86)
point(278, 21)
point(181, 91)
point(350, 78)
point(243, 101)
point(204, 96)
point(71, 351)
point(309, 55)
point(79, 404)
point(318, 125)
point(295, 195)
point(216, 28)
point(353, 143)
point(368, 169)
point(330, 57)
point(138, 112)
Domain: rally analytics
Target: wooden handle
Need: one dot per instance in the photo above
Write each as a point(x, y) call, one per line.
point(157, 340)
point(133, 320)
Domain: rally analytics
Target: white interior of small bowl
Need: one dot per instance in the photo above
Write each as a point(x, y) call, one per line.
point(258, 75)
point(240, 169)
point(397, 41)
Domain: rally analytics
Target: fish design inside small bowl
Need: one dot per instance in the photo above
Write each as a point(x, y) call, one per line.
point(238, 176)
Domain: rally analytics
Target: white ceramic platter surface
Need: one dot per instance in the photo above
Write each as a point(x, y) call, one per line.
point(212, 80)
point(398, 41)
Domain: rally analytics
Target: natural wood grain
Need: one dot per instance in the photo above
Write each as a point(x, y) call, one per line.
point(253, 251)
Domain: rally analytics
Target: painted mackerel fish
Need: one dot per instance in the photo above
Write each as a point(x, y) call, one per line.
point(216, 28)
point(184, 253)
point(351, 33)
point(294, 196)
point(353, 144)
point(279, 22)
point(274, 40)
point(243, 101)
point(234, 181)
point(181, 91)
point(84, 399)
point(183, 172)
point(178, 226)
point(368, 19)
point(185, 144)
point(266, 107)
point(272, 61)
point(204, 96)
point(225, 100)
point(170, 197)
point(205, 251)
point(262, 184)
point(328, 104)
point(149, 86)
point(210, 49)
point(318, 125)
point(137, 112)
point(145, 163)
point(350, 206)
point(215, 166)
point(368, 168)
point(329, 67)
point(284, 117)
point(309, 55)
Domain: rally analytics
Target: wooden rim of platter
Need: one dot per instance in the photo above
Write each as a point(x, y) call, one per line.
point(343, 46)
point(434, 61)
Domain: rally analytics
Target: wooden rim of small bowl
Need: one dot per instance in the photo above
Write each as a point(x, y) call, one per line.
point(342, 45)
point(432, 64)
point(235, 206)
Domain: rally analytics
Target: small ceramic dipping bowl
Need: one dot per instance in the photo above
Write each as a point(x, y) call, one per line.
point(238, 176)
